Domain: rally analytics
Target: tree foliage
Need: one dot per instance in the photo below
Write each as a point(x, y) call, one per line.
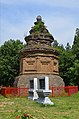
point(69, 61)
point(9, 61)
point(75, 46)
point(55, 44)
point(75, 50)
point(65, 62)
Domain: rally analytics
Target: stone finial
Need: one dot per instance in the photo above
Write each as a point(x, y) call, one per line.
point(39, 18)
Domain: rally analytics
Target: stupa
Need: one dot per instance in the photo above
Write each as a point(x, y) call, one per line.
point(39, 59)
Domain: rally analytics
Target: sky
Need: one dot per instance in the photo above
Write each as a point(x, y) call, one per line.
point(61, 18)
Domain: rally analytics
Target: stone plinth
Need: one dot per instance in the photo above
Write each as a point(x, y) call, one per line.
point(43, 97)
point(43, 91)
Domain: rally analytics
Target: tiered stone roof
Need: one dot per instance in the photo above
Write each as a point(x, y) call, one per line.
point(39, 40)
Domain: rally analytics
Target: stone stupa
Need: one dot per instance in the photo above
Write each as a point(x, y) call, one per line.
point(39, 59)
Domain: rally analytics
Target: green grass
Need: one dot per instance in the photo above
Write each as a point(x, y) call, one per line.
point(64, 108)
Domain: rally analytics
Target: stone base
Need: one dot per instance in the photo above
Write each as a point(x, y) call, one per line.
point(43, 97)
point(23, 80)
point(32, 94)
point(45, 100)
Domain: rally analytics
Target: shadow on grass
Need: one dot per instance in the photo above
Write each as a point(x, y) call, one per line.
point(44, 105)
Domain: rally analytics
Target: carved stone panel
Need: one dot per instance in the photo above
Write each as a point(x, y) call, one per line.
point(44, 65)
point(29, 65)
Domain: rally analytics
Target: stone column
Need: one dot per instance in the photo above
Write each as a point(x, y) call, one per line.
point(46, 83)
point(35, 88)
point(35, 84)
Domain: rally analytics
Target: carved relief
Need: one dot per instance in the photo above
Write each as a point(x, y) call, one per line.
point(45, 65)
point(45, 62)
point(55, 65)
point(29, 64)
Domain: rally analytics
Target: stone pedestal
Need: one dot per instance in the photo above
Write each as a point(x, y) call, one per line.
point(43, 91)
point(43, 97)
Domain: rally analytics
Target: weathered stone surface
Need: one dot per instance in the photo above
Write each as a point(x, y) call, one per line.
point(39, 64)
point(23, 80)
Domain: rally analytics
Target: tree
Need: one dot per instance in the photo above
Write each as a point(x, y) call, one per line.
point(75, 72)
point(9, 61)
point(68, 47)
point(55, 43)
point(65, 62)
point(69, 61)
point(75, 46)
point(75, 50)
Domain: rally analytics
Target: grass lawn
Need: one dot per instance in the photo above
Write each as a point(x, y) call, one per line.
point(64, 108)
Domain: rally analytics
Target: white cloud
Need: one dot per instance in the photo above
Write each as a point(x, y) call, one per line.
point(62, 28)
point(60, 3)
point(15, 31)
point(9, 31)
